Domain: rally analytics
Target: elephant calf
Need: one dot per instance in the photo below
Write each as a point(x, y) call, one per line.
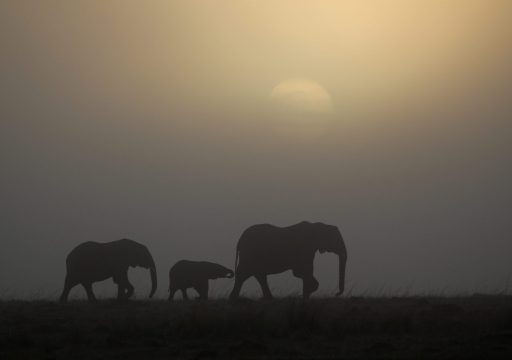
point(195, 274)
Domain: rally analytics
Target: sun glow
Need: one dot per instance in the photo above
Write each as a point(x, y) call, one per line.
point(302, 96)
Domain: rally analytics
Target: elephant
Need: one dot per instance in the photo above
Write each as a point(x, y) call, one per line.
point(266, 249)
point(195, 274)
point(91, 261)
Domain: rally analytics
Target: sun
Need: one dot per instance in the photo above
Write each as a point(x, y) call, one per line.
point(300, 109)
point(301, 99)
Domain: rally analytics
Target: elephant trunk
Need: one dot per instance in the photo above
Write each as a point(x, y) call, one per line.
point(152, 270)
point(342, 264)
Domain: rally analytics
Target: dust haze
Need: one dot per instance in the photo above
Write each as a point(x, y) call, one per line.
point(153, 122)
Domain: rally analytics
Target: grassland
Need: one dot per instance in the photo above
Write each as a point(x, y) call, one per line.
point(352, 328)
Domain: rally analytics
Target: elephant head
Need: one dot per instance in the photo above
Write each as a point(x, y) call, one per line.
point(217, 271)
point(328, 238)
point(140, 256)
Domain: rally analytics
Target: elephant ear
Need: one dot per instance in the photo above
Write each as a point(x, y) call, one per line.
point(135, 258)
point(139, 256)
point(127, 252)
point(320, 235)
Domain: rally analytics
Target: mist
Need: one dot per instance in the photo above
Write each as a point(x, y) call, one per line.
point(154, 123)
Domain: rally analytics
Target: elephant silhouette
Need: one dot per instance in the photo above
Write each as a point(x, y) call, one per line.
point(195, 274)
point(266, 249)
point(91, 262)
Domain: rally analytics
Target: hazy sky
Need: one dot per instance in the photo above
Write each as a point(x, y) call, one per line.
point(180, 123)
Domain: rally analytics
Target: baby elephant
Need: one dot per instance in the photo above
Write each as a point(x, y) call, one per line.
point(195, 274)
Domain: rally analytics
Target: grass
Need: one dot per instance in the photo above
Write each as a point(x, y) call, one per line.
point(476, 326)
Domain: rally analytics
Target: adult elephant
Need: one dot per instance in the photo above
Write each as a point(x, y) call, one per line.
point(267, 249)
point(90, 262)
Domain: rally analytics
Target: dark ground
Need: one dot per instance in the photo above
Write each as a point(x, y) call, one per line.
point(353, 328)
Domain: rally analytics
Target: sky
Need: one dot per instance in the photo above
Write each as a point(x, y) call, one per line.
point(180, 123)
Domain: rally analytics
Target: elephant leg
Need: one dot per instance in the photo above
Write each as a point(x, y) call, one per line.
point(120, 286)
point(309, 286)
point(239, 281)
point(124, 291)
point(88, 290)
point(262, 279)
point(124, 288)
point(184, 293)
point(129, 289)
point(172, 291)
point(309, 283)
point(202, 288)
point(68, 285)
point(120, 292)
